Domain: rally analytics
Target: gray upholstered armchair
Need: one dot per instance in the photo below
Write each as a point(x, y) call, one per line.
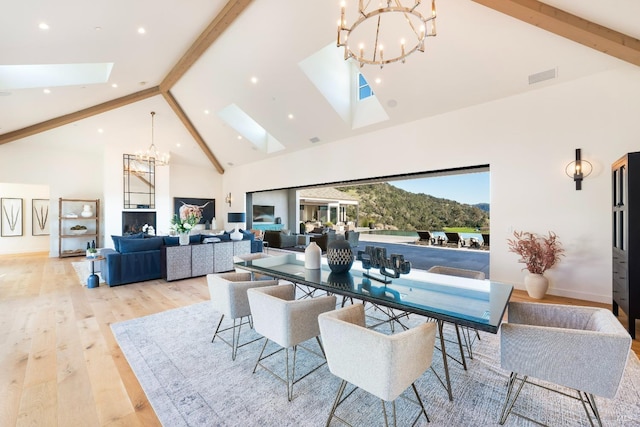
point(383, 365)
point(582, 348)
point(228, 292)
point(288, 322)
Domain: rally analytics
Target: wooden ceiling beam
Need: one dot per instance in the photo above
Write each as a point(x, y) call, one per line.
point(218, 26)
point(79, 115)
point(570, 26)
point(192, 130)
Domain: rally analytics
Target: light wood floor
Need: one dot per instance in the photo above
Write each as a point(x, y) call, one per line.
point(60, 364)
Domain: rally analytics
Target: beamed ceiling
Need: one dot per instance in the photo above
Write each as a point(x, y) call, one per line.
point(198, 57)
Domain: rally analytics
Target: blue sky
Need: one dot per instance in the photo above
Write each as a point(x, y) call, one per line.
point(470, 188)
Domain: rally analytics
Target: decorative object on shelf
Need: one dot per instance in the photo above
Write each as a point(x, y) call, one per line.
point(152, 153)
point(339, 255)
point(184, 222)
point(40, 217)
point(236, 218)
point(312, 256)
point(11, 217)
point(228, 199)
point(391, 267)
point(375, 26)
point(87, 211)
point(578, 169)
point(78, 229)
point(538, 253)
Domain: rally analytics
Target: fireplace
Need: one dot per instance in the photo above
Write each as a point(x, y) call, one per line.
point(132, 222)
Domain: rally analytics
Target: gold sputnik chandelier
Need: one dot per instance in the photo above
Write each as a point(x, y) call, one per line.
point(387, 33)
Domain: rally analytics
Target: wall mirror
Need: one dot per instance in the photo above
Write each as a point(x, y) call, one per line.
point(139, 183)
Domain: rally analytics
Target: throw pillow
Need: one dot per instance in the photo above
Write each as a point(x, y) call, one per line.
point(118, 239)
point(171, 241)
point(139, 245)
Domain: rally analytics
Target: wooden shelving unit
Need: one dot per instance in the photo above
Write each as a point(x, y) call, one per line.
point(75, 244)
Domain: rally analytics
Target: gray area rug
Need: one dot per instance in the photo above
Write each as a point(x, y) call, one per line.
point(193, 382)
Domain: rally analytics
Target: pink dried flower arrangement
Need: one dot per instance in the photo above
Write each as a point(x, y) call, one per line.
point(539, 253)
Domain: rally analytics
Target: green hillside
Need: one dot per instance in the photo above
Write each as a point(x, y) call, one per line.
point(393, 208)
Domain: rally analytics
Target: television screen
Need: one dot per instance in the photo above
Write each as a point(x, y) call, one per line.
point(263, 213)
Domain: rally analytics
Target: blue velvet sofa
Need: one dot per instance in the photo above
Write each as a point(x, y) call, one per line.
point(136, 258)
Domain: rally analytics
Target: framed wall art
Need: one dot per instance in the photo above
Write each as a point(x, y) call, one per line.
point(11, 211)
point(40, 217)
point(208, 207)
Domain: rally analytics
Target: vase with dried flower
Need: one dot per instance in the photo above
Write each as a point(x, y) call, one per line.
point(539, 253)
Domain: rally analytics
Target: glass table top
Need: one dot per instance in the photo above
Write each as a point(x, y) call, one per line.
point(476, 303)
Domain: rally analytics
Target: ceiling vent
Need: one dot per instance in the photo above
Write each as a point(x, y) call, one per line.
point(314, 139)
point(542, 76)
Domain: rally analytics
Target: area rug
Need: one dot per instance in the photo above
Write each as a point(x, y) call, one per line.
point(83, 270)
point(193, 382)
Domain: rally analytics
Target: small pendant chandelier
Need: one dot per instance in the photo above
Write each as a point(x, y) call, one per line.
point(152, 154)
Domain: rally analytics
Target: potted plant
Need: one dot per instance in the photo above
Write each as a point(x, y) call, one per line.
point(538, 253)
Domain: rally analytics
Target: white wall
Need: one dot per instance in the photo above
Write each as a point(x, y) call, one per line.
point(527, 140)
point(27, 242)
point(41, 161)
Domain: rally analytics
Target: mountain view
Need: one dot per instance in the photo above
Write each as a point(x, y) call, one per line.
point(392, 208)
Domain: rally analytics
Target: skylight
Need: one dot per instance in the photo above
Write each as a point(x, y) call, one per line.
point(364, 90)
point(52, 75)
point(344, 87)
point(235, 117)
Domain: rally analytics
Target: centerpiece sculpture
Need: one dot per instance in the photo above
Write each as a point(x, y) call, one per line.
point(390, 268)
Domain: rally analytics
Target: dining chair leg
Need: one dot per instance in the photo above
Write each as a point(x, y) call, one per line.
point(336, 402)
point(217, 328)
point(422, 410)
point(266, 341)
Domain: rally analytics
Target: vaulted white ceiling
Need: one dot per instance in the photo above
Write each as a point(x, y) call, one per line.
point(479, 55)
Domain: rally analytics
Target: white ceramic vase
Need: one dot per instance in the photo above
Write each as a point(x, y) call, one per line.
point(312, 256)
point(86, 211)
point(183, 238)
point(536, 285)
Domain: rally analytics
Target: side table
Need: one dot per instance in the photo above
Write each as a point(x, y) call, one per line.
point(93, 281)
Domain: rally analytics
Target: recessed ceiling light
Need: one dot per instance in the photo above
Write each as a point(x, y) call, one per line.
point(239, 136)
point(206, 111)
point(141, 30)
point(114, 85)
point(43, 26)
point(47, 91)
point(254, 80)
point(378, 80)
point(97, 28)
point(178, 145)
point(100, 131)
point(290, 116)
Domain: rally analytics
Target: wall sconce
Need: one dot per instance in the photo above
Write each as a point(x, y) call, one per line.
point(578, 169)
point(228, 199)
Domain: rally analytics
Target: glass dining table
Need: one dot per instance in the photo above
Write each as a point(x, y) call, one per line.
point(478, 304)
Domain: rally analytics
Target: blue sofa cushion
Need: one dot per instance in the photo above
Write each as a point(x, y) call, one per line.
point(140, 245)
point(247, 235)
point(225, 237)
point(118, 239)
point(171, 240)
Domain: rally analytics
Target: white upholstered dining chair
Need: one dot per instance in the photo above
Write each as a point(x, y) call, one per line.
point(580, 348)
point(383, 365)
point(228, 292)
point(288, 322)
